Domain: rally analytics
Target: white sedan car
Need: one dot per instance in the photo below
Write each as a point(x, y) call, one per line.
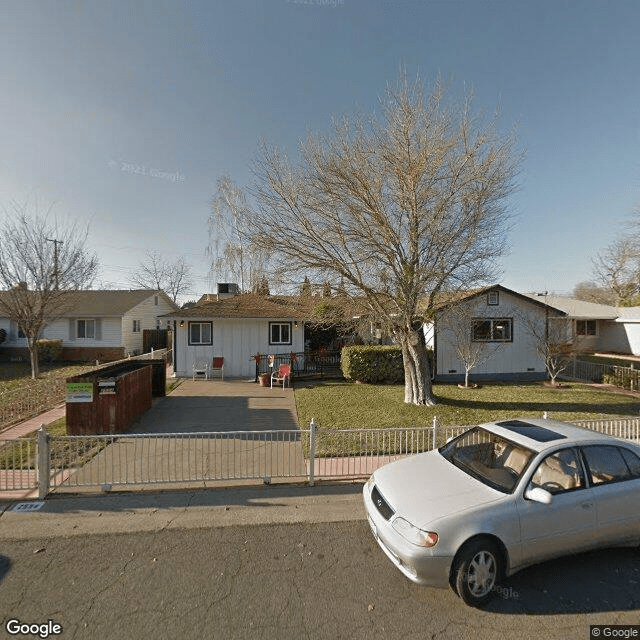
point(503, 496)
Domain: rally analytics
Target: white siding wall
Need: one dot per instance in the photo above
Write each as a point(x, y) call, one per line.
point(60, 330)
point(110, 333)
point(236, 341)
point(623, 337)
point(510, 358)
point(148, 313)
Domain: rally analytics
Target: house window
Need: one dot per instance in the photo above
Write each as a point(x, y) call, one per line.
point(86, 329)
point(493, 298)
point(279, 333)
point(586, 327)
point(136, 326)
point(200, 333)
point(493, 330)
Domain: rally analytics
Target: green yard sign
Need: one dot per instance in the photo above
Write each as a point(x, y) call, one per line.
point(79, 391)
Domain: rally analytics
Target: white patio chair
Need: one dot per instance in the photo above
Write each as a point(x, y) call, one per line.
point(200, 369)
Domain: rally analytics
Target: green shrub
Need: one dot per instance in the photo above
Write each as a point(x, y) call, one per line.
point(373, 364)
point(49, 350)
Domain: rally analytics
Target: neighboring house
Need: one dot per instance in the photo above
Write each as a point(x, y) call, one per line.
point(99, 325)
point(497, 321)
point(236, 327)
point(504, 318)
point(594, 327)
point(623, 336)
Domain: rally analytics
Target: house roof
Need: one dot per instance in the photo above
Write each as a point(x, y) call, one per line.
point(452, 299)
point(95, 302)
point(628, 314)
point(255, 305)
point(251, 305)
point(579, 309)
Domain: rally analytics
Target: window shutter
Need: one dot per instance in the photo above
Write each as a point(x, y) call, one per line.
point(72, 329)
point(98, 329)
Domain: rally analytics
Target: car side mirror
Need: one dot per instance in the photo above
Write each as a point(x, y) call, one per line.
point(538, 494)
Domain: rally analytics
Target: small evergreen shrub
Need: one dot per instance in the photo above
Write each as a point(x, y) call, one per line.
point(373, 364)
point(49, 350)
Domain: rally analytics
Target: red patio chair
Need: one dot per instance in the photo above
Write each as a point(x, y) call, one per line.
point(218, 365)
point(283, 374)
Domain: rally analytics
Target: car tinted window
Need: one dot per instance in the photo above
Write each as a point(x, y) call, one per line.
point(632, 460)
point(489, 458)
point(605, 464)
point(559, 472)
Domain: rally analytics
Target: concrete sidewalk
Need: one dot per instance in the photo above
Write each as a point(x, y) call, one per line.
point(64, 515)
point(27, 427)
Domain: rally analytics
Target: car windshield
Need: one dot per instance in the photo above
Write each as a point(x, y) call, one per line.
point(488, 457)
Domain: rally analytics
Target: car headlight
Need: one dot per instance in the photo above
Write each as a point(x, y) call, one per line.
point(414, 535)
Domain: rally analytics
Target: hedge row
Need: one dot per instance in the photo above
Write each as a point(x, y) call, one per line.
point(373, 364)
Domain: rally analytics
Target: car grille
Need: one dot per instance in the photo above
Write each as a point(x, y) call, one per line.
point(381, 504)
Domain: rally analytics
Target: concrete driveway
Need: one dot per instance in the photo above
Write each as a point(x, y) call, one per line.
point(257, 437)
point(213, 405)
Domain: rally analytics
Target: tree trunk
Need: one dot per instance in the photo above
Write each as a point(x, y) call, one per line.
point(417, 369)
point(33, 353)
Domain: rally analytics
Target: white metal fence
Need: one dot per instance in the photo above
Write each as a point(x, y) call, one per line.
point(61, 463)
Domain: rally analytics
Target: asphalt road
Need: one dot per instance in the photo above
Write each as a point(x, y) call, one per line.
point(200, 568)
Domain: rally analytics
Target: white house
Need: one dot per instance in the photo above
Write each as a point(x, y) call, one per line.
point(99, 325)
point(236, 328)
point(496, 326)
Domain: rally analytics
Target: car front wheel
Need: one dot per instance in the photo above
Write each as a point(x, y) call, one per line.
point(476, 572)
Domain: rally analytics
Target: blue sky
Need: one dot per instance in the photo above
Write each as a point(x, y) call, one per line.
point(125, 114)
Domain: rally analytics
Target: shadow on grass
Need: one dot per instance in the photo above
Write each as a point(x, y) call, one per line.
point(623, 409)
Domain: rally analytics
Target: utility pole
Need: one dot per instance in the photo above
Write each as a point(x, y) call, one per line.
point(55, 259)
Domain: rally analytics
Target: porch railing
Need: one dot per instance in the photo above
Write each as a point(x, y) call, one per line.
point(319, 363)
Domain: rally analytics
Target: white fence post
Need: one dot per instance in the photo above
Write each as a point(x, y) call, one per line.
point(44, 462)
point(434, 442)
point(312, 451)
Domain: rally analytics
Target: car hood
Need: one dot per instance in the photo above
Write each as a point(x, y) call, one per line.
point(425, 487)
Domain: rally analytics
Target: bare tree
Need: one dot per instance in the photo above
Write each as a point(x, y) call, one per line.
point(236, 256)
point(617, 268)
point(41, 264)
point(463, 329)
point(552, 339)
point(592, 292)
point(174, 278)
point(398, 207)
point(179, 279)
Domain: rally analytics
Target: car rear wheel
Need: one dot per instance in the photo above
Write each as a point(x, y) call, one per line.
point(476, 572)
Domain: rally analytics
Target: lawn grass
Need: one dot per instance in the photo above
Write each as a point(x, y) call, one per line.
point(342, 405)
point(16, 382)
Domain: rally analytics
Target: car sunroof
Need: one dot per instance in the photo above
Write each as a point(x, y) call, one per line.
point(531, 431)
